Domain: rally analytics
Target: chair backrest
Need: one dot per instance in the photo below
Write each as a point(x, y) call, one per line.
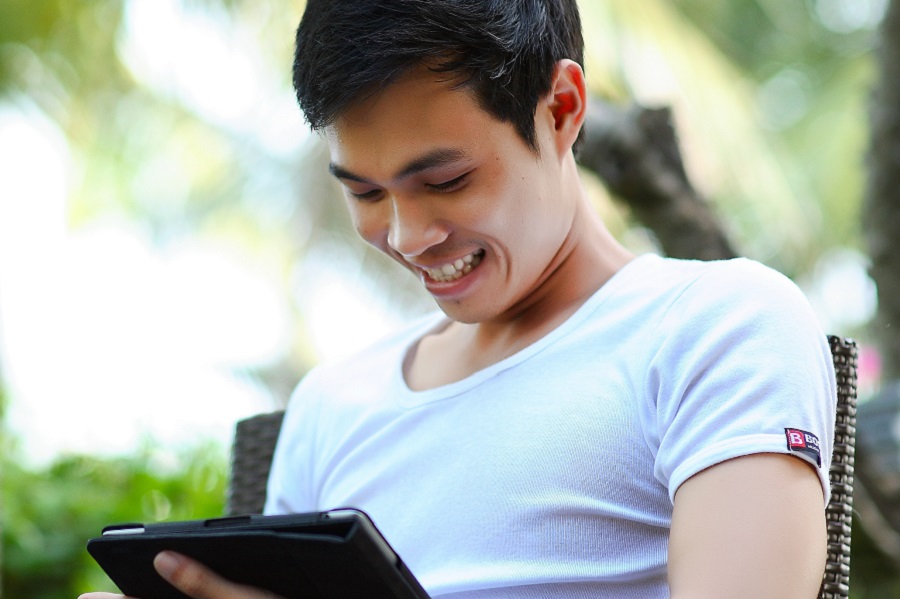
point(251, 459)
point(255, 437)
point(836, 584)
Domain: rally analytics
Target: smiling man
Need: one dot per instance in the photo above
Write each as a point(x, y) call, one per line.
point(575, 421)
point(499, 232)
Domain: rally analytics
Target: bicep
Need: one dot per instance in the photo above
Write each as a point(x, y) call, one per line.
point(753, 526)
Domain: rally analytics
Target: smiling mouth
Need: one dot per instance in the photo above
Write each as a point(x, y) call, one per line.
point(454, 270)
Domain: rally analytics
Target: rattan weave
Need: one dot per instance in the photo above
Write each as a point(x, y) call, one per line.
point(251, 459)
point(836, 584)
point(254, 444)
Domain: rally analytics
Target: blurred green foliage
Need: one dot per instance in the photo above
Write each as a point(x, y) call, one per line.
point(50, 512)
point(811, 65)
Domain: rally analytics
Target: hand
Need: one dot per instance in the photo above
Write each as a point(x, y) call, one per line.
point(195, 580)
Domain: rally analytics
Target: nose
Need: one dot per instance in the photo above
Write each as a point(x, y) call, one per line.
point(413, 227)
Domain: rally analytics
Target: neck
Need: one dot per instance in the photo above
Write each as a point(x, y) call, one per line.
point(586, 260)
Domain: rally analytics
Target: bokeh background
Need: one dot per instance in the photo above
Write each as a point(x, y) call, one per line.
point(174, 256)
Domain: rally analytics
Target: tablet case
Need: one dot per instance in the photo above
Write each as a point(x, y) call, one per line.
point(321, 555)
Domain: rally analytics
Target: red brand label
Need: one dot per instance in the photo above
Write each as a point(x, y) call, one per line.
point(804, 444)
point(796, 439)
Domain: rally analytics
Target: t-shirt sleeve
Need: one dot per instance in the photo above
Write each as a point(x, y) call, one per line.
point(742, 368)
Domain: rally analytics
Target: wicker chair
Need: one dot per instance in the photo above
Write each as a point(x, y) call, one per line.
point(836, 584)
point(255, 437)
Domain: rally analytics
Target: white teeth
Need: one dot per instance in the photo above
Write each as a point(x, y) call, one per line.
point(456, 269)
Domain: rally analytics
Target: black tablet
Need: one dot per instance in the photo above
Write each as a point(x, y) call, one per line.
point(337, 554)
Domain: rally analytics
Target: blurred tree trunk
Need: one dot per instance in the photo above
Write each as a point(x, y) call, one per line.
point(881, 210)
point(877, 470)
point(635, 152)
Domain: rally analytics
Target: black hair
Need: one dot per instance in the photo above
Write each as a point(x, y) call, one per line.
point(504, 51)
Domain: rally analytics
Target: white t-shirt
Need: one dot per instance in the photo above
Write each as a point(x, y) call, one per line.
point(552, 472)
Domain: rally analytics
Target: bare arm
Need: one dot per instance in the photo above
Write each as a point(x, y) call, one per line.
point(750, 527)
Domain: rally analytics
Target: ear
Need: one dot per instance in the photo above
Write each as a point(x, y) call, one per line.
point(567, 104)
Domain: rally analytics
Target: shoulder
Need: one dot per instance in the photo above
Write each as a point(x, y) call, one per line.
point(666, 279)
point(725, 278)
point(734, 290)
point(673, 293)
point(334, 393)
point(745, 276)
point(738, 319)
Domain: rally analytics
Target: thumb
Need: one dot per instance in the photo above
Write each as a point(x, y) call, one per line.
point(198, 581)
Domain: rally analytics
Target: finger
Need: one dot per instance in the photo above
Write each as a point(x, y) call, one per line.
point(199, 582)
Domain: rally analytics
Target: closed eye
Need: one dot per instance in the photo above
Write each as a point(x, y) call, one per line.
point(366, 195)
point(447, 186)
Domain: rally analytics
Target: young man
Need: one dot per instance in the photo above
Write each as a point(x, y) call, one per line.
point(575, 421)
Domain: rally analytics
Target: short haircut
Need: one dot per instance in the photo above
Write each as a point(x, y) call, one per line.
point(504, 51)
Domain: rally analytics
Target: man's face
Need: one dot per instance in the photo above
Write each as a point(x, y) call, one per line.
point(454, 195)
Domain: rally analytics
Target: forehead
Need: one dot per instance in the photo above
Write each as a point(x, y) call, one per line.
point(419, 112)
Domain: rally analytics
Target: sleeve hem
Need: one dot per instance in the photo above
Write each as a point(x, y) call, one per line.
point(738, 447)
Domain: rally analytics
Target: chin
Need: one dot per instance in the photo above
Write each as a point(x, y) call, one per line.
point(462, 315)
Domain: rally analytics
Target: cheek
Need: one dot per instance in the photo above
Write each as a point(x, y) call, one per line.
point(365, 221)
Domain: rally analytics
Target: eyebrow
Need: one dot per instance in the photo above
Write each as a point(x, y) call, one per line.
point(433, 159)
